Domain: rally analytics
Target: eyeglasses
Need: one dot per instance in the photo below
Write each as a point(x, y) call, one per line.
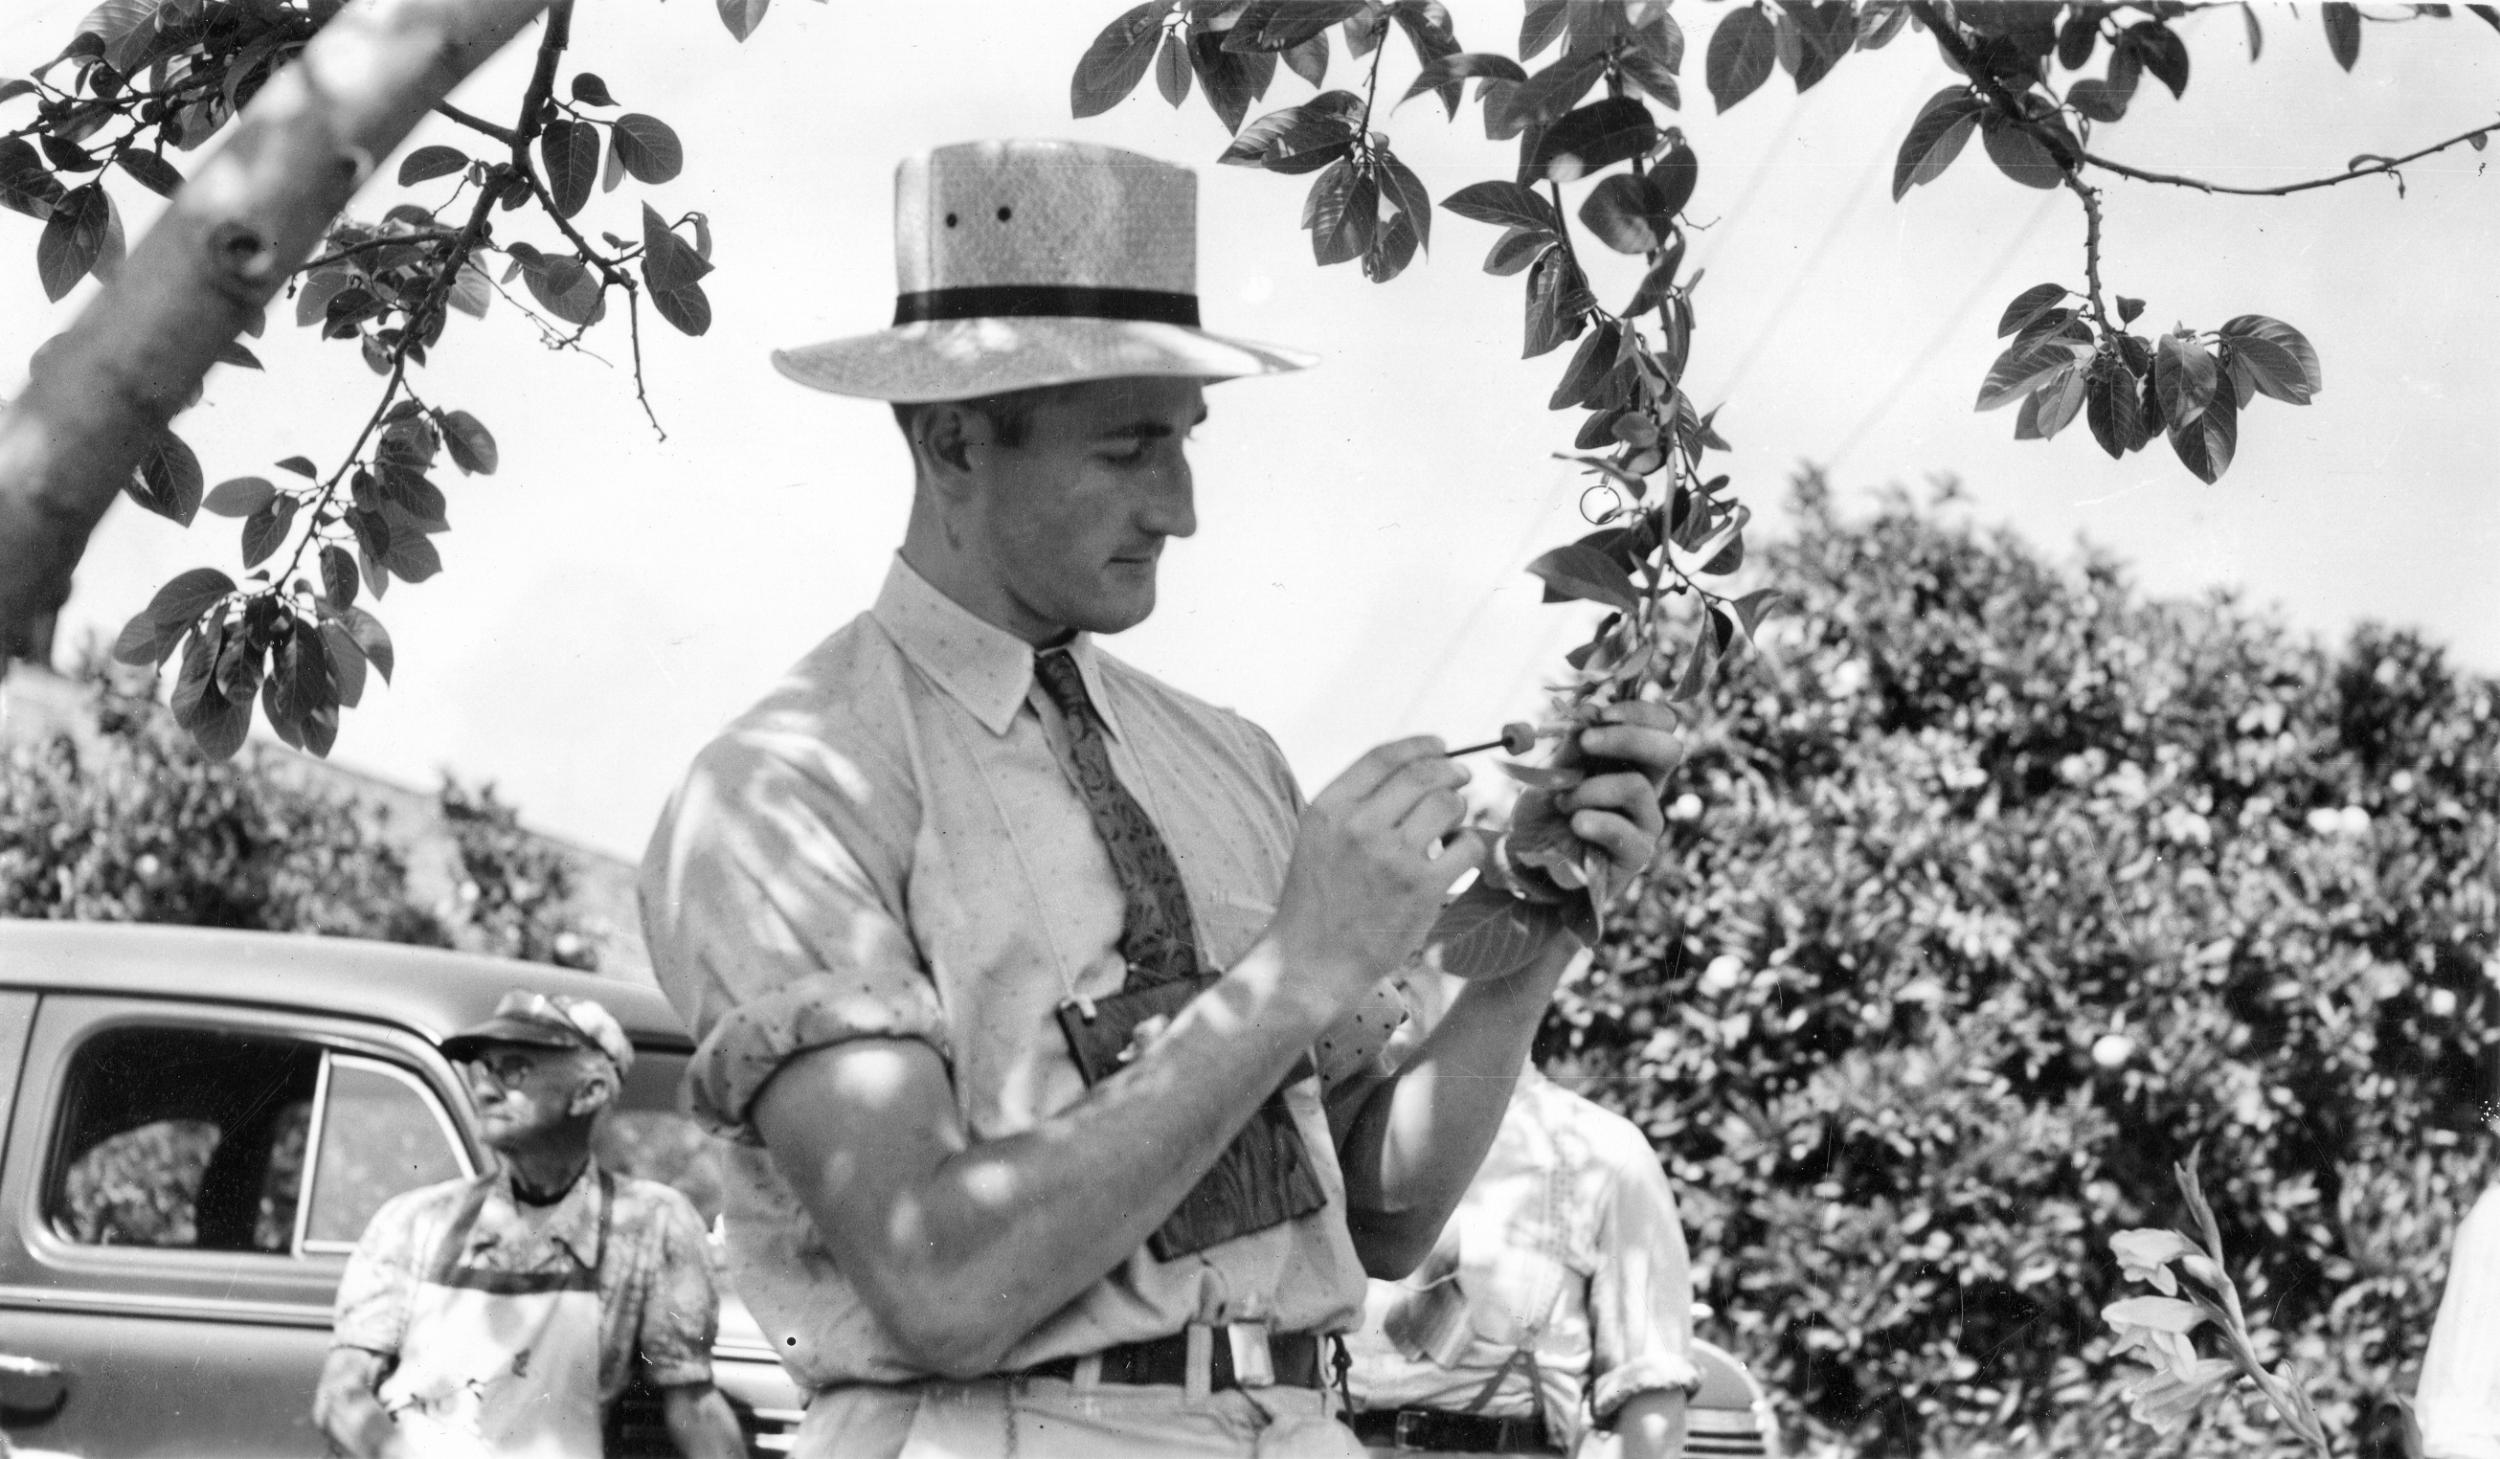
point(506, 1069)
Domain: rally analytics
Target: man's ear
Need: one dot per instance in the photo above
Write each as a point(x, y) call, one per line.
point(596, 1092)
point(948, 433)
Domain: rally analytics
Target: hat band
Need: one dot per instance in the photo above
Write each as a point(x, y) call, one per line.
point(1015, 301)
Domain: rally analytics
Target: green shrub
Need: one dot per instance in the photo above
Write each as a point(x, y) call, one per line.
point(2004, 886)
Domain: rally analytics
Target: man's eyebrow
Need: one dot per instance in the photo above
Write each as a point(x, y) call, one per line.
point(1151, 429)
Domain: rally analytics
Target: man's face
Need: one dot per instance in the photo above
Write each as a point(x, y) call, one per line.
point(1071, 523)
point(522, 1091)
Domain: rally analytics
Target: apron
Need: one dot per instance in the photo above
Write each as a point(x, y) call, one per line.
point(501, 1363)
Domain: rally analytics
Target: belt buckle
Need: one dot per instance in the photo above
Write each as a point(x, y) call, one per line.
point(1407, 1432)
point(1254, 1366)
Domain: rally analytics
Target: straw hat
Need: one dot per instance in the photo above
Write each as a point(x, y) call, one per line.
point(1022, 264)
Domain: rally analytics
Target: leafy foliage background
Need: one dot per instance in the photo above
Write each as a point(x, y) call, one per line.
point(135, 824)
point(1973, 815)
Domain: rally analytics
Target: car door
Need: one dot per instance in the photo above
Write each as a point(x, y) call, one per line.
point(181, 1189)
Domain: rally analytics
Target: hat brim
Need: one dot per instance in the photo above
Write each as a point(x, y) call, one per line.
point(957, 359)
point(470, 1042)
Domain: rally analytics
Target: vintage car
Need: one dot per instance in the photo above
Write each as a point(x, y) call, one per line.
point(195, 1126)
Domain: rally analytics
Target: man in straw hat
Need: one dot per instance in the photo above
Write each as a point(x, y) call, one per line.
point(1045, 1012)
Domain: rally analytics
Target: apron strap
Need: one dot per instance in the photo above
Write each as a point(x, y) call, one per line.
point(446, 1260)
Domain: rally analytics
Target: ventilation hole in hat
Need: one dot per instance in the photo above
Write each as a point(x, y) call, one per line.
point(1005, 213)
point(950, 220)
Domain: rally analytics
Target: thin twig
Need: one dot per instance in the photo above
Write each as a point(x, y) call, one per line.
point(2374, 166)
point(380, 241)
point(505, 135)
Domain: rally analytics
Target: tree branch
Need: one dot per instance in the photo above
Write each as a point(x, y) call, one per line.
point(474, 123)
point(222, 249)
point(2376, 165)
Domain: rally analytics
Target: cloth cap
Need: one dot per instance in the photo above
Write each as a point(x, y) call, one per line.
point(1021, 264)
point(550, 1023)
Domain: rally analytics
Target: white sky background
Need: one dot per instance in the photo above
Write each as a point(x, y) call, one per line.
point(609, 598)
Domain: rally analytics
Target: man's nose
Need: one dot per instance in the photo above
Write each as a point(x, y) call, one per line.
point(1171, 507)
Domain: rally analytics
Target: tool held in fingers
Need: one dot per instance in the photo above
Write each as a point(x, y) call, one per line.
point(1518, 738)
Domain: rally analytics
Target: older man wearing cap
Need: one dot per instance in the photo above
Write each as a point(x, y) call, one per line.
point(1047, 1012)
point(501, 1314)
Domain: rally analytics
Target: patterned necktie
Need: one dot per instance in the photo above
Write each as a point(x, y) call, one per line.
point(1264, 1177)
point(1158, 935)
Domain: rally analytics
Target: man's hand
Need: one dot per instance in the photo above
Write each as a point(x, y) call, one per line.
point(1373, 859)
point(345, 1409)
point(1617, 812)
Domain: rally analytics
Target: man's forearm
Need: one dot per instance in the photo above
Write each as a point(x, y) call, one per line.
point(1411, 1152)
point(344, 1406)
point(966, 1246)
point(701, 1423)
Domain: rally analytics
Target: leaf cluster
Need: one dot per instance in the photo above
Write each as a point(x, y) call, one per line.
point(2000, 888)
point(139, 76)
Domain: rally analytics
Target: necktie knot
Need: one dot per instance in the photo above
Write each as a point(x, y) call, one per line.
point(1056, 670)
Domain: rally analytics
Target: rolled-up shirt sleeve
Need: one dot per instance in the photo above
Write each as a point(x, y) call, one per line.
point(680, 1306)
point(1640, 1301)
point(767, 930)
point(371, 1309)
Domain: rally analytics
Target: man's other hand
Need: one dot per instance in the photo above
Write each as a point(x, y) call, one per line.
point(1373, 858)
point(1617, 812)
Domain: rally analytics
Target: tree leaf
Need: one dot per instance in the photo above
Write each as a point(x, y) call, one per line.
point(1742, 52)
point(2206, 444)
point(1517, 249)
point(2052, 407)
point(2020, 153)
point(1671, 184)
point(431, 162)
point(370, 636)
point(1505, 205)
point(1593, 138)
point(2097, 99)
point(1406, 192)
point(2279, 358)
point(2185, 377)
point(177, 606)
point(1232, 80)
point(412, 557)
point(590, 90)
point(347, 662)
point(1551, 93)
point(1827, 32)
point(1172, 72)
point(1758, 607)
point(26, 185)
point(1618, 210)
point(2112, 410)
point(1543, 22)
point(648, 147)
point(1459, 66)
point(471, 291)
point(743, 16)
point(1588, 367)
point(687, 307)
point(1554, 310)
point(472, 446)
point(2343, 32)
point(1935, 139)
point(2029, 305)
point(1307, 59)
point(240, 497)
point(1576, 571)
point(1298, 139)
point(338, 577)
point(265, 531)
point(152, 171)
point(1113, 65)
point(167, 480)
point(2025, 368)
point(1392, 248)
point(569, 151)
point(1345, 208)
point(568, 289)
point(72, 239)
point(1280, 25)
point(141, 643)
point(668, 261)
point(2159, 50)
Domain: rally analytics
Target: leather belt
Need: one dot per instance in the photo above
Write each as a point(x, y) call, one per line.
point(1465, 1433)
point(1293, 1357)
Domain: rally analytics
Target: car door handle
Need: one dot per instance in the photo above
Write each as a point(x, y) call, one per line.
point(31, 1386)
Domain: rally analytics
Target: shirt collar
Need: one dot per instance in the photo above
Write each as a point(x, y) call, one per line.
point(986, 669)
point(572, 1223)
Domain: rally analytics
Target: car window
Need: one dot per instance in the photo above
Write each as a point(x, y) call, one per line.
point(381, 1133)
point(183, 1137)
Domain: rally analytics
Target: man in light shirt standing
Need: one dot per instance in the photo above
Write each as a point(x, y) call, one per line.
point(1046, 1013)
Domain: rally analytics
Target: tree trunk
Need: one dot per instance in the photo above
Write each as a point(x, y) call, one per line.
point(252, 213)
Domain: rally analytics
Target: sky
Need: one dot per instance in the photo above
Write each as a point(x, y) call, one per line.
point(611, 597)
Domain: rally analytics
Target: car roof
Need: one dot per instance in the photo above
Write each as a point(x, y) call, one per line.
point(431, 991)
